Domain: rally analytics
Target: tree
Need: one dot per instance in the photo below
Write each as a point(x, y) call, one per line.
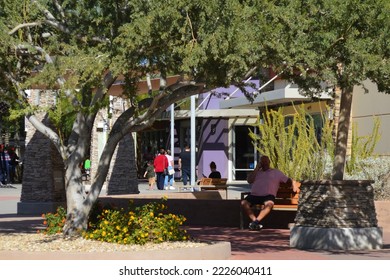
point(77, 50)
point(338, 42)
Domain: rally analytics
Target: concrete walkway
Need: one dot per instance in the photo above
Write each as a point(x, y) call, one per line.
point(268, 244)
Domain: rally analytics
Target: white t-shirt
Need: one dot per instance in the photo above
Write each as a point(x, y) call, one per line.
point(267, 182)
point(170, 159)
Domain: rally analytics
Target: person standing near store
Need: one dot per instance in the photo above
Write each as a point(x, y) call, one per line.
point(160, 164)
point(168, 183)
point(5, 163)
point(185, 164)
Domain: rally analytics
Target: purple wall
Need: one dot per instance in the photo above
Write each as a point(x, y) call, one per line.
point(213, 146)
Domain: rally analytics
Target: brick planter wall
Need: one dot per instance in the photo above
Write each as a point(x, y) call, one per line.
point(335, 204)
point(336, 215)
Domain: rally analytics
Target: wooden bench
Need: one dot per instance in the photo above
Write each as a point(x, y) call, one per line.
point(209, 184)
point(285, 200)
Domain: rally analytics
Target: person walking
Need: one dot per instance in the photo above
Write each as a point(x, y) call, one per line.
point(185, 164)
point(265, 184)
point(150, 175)
point(168, 183)
point(160, 164)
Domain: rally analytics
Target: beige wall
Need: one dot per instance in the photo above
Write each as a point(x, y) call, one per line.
point(365, 107)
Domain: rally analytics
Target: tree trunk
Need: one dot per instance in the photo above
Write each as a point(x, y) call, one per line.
point(342, 134)
point(77, 209)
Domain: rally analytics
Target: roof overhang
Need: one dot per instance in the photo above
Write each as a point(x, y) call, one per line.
point(269, 98)
point(214, 113)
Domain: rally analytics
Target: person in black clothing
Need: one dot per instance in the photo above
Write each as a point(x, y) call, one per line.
point(214, 173)
point(5, 162)
point(13, 164)
point(185, 164)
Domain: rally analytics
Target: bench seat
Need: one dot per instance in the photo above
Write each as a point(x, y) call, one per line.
point(209, 184)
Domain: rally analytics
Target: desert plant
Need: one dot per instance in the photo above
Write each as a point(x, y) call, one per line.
point(295, 148)
point(362, 147)
point(377, 169)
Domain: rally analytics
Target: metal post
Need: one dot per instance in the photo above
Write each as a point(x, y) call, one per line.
point(193, 137)
point(173, 130)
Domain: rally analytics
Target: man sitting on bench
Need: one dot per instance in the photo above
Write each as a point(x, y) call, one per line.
point(265, 183)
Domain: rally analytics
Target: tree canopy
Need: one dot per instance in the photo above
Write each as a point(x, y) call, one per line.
point(333, 44)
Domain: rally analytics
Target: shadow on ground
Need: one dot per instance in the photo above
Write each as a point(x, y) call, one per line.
point(11, 223)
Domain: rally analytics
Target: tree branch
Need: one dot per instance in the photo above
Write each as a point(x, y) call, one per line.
point(23, 25)
point(49, 133)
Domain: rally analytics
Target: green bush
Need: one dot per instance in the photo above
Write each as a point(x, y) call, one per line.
point(54, 221)
point(135, 225)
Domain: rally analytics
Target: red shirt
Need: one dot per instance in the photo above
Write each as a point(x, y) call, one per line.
point(160, 163)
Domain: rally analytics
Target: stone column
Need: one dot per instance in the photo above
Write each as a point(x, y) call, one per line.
point(123, 170)
point(43, 188)
point(336, 215)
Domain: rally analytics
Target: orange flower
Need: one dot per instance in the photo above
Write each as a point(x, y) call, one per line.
point(45, 222)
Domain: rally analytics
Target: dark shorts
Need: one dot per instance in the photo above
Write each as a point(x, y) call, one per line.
point(253, 199)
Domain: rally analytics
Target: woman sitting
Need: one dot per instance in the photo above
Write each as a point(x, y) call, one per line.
point(214, 173)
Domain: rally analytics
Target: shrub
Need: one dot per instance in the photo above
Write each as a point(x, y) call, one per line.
point(377, 169)
point(295, 144)
point(136, 225)
point(54, 221)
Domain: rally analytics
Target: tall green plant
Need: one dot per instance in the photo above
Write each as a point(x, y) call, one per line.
point(294, 148)
point(362, 147)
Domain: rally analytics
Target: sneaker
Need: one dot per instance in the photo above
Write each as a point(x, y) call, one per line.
point(172, 188)
point(255, 225)
point(165, 188)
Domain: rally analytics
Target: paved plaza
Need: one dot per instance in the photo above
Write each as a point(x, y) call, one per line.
point(268, 244)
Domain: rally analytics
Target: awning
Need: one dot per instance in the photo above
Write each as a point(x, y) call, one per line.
point(269, 98)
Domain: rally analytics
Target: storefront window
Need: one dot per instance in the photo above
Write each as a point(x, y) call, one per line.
point(244, 152)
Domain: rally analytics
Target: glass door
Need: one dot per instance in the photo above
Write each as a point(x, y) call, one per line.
point(244, 153)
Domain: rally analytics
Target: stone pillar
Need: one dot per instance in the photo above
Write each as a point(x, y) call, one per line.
point(336, 215)
point(43, 187)
point(123, 170)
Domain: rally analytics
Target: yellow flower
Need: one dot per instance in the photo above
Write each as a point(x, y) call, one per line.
point(125, 229)
point(118, 227)
point(104, 233)
point(106, 222)
point(151, 214)
point(91, 235)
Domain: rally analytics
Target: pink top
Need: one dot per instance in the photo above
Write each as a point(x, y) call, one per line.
point(267, 182)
